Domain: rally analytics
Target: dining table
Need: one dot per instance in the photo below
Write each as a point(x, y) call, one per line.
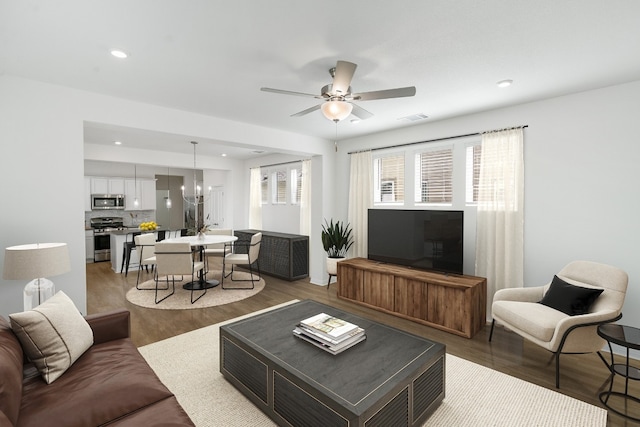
point(199, 243)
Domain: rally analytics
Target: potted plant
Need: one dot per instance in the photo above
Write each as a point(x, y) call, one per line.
point(336, 240)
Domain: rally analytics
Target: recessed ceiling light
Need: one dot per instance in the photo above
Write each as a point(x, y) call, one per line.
point(224, 154)
point(414, 117)
point(117, 142)
point(505, 83)
point(118, 53)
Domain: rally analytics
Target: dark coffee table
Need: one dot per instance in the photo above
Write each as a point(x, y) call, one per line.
point(393, 378)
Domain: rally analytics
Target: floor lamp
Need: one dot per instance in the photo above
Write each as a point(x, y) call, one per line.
point(34, 262)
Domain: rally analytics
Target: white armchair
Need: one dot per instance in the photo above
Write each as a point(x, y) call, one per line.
point(520, 311)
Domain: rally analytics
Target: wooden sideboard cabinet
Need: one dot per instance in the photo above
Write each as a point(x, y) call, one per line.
point(281, 255)
point(453, 303)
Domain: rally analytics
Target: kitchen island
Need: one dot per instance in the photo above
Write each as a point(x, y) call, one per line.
point(118, 237)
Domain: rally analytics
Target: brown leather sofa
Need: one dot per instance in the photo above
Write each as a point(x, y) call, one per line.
point(110, 384)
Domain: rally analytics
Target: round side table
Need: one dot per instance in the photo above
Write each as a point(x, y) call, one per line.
point(629, 338)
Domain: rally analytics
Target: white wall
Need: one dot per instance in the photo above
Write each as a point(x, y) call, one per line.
point(42, 165)
point(581, 177)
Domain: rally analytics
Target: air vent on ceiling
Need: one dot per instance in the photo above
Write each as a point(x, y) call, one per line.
point(414, 117)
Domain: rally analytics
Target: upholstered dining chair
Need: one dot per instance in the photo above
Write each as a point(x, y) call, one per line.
point(563, 316)
point(243, 253)
point(145, 247)
point(219, 249)
point(176, 259)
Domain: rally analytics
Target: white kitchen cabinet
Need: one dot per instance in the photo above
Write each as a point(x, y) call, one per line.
point(145, 189)
point(88, 236)
point(107, 185)
point(148, 200)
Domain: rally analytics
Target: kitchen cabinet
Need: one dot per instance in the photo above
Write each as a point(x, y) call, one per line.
point(88, 241)
point(145, 189)
point(101, 185)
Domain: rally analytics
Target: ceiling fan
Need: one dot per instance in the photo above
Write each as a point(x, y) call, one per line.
point(338, 98)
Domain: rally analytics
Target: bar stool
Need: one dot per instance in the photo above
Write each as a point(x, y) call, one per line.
point(127, 247)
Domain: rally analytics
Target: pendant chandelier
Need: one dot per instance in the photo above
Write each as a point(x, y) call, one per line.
point(198, 197)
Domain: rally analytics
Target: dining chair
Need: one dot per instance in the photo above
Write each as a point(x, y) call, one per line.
point(176, 259)
point(218, 249)
point(145, 247)
point(242, 253)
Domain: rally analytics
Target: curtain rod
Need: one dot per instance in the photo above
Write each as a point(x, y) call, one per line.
point(436, 140)
point(280, 164)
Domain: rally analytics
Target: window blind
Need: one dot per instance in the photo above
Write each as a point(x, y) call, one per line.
point(436, 172)
point(389, 172)
point(280, 187)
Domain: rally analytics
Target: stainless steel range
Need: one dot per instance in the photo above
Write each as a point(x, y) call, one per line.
point(102, 228)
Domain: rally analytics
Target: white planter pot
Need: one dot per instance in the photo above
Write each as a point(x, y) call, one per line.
point(332, 265)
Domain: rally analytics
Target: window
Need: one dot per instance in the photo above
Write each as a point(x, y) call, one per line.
point(279, 189)
point(473, 173)
point(434, 176)
point(296, 186)
point(264, 188)
point(389, 179)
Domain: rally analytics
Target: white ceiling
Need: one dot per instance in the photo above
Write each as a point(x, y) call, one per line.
point(212, 57)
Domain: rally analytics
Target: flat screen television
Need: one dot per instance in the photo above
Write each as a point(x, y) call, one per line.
point(424, 239)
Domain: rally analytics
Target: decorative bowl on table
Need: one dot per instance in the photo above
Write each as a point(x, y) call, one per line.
point(148, 226)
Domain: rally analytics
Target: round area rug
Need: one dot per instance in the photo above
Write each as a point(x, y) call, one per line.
point(181, 300)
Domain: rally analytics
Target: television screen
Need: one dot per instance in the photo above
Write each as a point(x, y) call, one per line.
point(424, 239)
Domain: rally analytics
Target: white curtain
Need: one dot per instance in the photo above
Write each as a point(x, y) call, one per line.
point(305, 199)
point(360, 200)
point(255, 200)
point(500, 221)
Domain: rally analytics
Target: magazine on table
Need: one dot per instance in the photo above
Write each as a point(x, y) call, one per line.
point(330, 341)
point(329, 326)
point(330, 348)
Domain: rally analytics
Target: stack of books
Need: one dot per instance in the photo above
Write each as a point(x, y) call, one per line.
point(329, 333)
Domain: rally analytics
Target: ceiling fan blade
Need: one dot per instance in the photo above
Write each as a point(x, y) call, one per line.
point(384, 94)
point(342, 78)
point(360, 112)
point(288, 92)
point(307, 111)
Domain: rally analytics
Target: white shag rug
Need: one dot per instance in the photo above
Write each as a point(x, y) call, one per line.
point(188, 365)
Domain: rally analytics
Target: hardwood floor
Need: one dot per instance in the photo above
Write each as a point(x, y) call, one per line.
point(581, 376)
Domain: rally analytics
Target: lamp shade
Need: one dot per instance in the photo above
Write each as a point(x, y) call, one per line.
point(336, 110)
point(35, 260)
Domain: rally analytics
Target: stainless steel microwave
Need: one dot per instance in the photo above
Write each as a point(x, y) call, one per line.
point(107, 201)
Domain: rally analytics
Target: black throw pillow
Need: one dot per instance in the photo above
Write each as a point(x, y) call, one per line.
point(568, 298)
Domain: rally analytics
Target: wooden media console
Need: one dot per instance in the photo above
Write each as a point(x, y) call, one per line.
point(453, 303)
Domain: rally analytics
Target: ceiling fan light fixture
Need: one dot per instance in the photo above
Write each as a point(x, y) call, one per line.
point(336, 110)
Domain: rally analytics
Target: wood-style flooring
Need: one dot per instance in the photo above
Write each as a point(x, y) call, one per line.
point(581, 376)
